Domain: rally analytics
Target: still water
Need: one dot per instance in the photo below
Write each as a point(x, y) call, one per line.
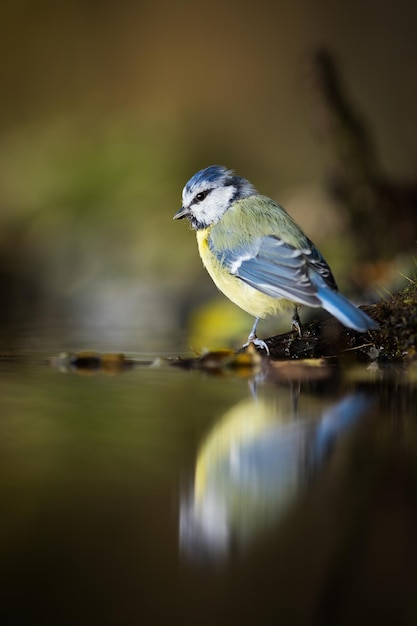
point(157, 495)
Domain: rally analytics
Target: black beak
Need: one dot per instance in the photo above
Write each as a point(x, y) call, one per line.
point(181, 213)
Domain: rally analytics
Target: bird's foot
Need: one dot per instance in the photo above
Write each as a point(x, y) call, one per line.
point(296, 323)
point(259, 343)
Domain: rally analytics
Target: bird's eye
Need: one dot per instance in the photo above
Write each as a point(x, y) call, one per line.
point(201, 195)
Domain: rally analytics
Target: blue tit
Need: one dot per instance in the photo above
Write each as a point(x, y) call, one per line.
point(256, 253)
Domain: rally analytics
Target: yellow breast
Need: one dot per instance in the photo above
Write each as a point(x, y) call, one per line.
point(246, 297)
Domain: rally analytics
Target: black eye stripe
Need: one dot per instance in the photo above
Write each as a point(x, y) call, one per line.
point(199, 197)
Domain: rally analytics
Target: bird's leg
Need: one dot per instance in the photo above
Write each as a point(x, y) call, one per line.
point(296, 323)
point(260, 343)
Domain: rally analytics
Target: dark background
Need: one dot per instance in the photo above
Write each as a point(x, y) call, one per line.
point(108, 108)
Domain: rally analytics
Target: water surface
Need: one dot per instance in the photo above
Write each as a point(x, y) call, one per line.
point(156, 495)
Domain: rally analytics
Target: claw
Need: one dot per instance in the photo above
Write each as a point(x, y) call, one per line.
point(296, 322)
point(259, 343)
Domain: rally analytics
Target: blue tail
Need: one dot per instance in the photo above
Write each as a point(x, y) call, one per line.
point(346, 312)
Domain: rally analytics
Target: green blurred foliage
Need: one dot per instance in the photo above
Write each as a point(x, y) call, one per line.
point(101, 185)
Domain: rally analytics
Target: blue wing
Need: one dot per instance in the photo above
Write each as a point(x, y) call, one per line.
point(299, 274)
point(279, 270)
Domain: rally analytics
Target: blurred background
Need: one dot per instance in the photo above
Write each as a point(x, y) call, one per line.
point(108, 108)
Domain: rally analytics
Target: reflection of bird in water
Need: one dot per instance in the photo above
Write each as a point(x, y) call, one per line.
point(252, 466)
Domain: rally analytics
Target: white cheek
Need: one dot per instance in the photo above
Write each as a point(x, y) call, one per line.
point(216, 204)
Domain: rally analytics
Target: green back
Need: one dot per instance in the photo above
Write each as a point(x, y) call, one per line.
point(253, 217)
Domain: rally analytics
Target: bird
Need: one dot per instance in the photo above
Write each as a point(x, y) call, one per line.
point(257, 255)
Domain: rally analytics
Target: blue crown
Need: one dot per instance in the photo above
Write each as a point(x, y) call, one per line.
point(211, 174)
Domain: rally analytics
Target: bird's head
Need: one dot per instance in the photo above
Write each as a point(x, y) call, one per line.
point(209, 193)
